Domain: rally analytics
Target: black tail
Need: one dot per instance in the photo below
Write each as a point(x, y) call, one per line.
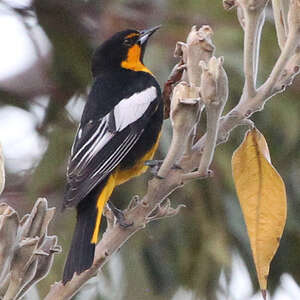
point(81, 254)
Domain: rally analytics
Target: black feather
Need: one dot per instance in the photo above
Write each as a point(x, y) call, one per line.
point(81, 254)
point(79, 178)
point(101, 146)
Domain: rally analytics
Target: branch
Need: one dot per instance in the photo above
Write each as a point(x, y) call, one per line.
point(115, 236)
point(182, 105)
point(210, 85)
point(284, 5)
point(2, 171)
point(253, 13)
point(280, 25)
point(288, 50)
point(214, 87)
point(26, 250)
point(214, 93)
point(283, 73)
point(185, 108)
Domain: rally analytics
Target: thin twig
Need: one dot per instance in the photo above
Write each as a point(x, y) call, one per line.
point(191, 138)
point(279, 25)
point(214, 93)
point(247, 105)
point(214, 107)
point(253, 22)
point(257, 40)
point(2, 171)
point(288, 50)
point(284, 5)
point(249, 45)
point(26, 249)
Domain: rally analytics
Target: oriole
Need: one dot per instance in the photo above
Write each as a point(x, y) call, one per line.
point(119, 130)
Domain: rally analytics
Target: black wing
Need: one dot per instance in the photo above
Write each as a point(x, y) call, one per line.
point(101, 144)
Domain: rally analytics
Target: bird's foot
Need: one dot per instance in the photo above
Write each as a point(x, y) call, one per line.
point(119, 215)
point(176, 167)
point(154, 166)
point(153, 163)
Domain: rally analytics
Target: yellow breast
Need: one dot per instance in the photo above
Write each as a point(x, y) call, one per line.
point(123, 175)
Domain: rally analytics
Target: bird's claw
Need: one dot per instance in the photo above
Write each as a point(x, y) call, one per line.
point(153, 163)
point(119, 215)
point(176, 167)
point(154, 166)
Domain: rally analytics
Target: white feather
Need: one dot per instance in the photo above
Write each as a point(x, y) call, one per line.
point(97, 145)
point(111, 163)
point(126, 112)
point(131, 109)
point(90, 140)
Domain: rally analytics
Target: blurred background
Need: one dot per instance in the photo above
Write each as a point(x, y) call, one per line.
point(203, 253)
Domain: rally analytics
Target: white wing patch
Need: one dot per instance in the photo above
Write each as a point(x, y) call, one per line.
point(131, 109)
point(125, 112)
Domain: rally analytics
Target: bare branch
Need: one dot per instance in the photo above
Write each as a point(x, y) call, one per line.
point(183, 118)
point(214, 91)
point(115, 237)
point(291, 69)
point(164, 211)
point(288, 50)
point(191, 138)
point(185, 105)
point(2, 171)
point(211, 83)
point(253, 12)
point(284, 5)
point(281, 31)
point(285, 69)
point(241, 17)
point(8, 235)
point(27, 254)
point(199, 47)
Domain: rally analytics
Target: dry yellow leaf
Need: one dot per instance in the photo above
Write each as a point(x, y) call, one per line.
point(262, 196)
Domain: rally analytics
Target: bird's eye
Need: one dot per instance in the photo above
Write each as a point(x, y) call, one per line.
point(127, 42)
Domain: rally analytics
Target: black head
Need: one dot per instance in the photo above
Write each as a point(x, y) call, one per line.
point(124, 46)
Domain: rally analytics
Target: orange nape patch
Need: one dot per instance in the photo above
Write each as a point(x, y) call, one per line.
point(133, 60)
point(131, 35)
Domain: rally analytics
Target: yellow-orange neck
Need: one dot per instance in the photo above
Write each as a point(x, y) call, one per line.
point(133, 62)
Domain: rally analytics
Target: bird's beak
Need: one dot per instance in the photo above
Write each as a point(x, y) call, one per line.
point(145, 34)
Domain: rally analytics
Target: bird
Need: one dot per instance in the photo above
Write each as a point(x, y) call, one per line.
point(119, 131)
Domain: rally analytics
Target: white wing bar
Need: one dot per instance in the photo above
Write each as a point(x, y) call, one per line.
point(131, 109)
point(126, 112)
